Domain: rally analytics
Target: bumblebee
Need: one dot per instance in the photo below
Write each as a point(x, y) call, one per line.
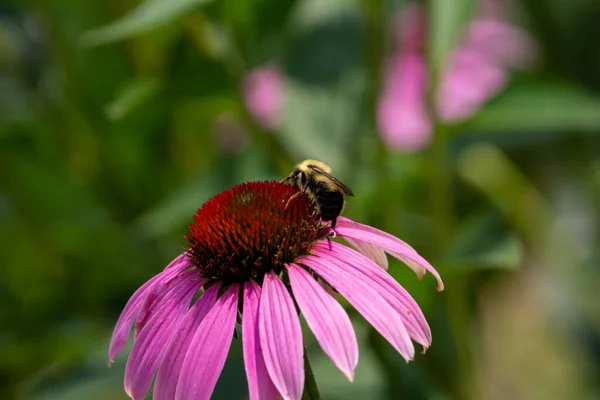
point(326, 191)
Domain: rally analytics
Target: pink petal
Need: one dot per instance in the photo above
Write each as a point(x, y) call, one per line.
point(260, 386)
point(375, 253)
point(402, 115)
point(390, 244)
point(154, 296)
point(135, 304)
point(281, 338)
point(149, 347)
point(263, 92)
point(367, 301)
point(467, 83)
point(501, 43)
point(327, 319)
point(208, 349)
point(364, 270)
point(170, 367)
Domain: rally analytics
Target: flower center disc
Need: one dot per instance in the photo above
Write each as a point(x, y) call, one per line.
point(247, 231)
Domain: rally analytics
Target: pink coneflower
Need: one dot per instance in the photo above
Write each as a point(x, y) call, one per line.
point(477, 70)
point(263, 93)
point(250, 254)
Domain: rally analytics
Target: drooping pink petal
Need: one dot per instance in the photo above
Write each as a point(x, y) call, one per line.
point(501, 43)
point(327, 319)
point(364, 269)
point(375, 253)
point(281, 338)
point(165, 384)
point(134, 306)
point(391, 245)
point(263, 92)
point(207, 352)
point(367, 301)
point(467, 83)
point(150, 345)
point(260, 386)
point(402, 115)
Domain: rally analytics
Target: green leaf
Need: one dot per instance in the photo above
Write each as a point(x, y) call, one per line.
point(179, 208)
point(539, 106)
point(149, 15)
point(482, 242)
point(447, 19)
point(319, 122)
point(133, 95)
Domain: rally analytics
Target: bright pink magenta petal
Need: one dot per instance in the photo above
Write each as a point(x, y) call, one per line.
point(327, 319)
point(260, 386)
point(208, 349)
point(393, 246)
point(468, 82)
point(154, 295)
point(135, 304)
point(281, 338)
point(263, 91)
point(170, 367)
point(150, 345)
point(402, 115)
point(375, 253)
point(364, 269)
point(367, 301)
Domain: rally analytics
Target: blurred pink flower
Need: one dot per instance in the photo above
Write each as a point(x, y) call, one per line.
point(262, 89)
point(476, 70)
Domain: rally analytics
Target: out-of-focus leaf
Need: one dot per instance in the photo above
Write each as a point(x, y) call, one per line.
point(149, 15)
point(539, 107)
point(92, 380)
point(133, 95)
point(326, 85)
point(179, 208)
point(482, 242)
point(322, 53)
point(446, 21)
point(369, 377)
point(490, 171)
point(319, 122)
point(506, 254)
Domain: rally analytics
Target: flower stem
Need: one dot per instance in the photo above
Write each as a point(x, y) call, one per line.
point(441, 188)
point(311, 392)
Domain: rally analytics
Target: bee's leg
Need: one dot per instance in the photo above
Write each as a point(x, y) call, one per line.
point(292, 198)
point(329, 241)
point(304, 187)
point(333, 221)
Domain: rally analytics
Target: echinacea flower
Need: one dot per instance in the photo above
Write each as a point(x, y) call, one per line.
point(251, 254)
point(477, 70)
point(263, 93)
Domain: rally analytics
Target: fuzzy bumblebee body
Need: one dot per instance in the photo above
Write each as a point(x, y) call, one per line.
point(327, 192)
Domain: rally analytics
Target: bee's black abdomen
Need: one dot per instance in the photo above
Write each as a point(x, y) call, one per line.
point(331, 203)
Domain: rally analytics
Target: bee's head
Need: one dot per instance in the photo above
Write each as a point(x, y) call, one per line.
point(292, 176)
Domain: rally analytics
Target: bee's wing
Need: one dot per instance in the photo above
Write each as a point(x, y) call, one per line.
point(345, 189)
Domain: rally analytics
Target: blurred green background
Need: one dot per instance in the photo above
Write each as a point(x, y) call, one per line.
point(118, 119)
